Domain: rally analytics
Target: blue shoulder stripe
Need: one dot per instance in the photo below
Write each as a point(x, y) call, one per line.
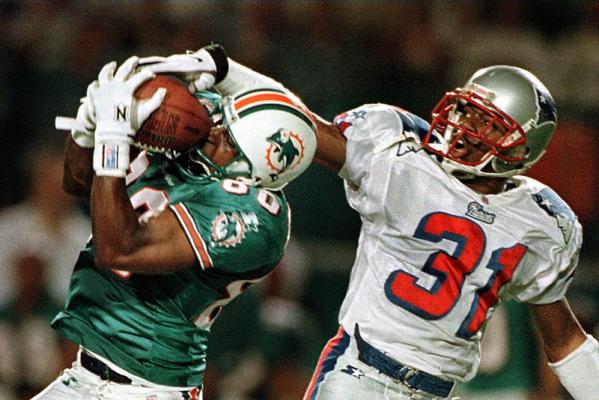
point(413, 123)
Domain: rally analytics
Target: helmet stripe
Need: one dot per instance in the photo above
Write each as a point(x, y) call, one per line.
point(260, 90)
point(280, 107)
point(255, 98)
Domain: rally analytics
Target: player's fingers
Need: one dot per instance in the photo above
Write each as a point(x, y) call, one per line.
point(137, 79)
point(91, 87)
point(106, 73)
point(204, 82)
point(156, 100)
point(146, 107)
point(149, 61)
point(126, 68)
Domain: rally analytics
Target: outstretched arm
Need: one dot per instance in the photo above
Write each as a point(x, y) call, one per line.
point(330, 150)
point(210, 67)
point(573, 355)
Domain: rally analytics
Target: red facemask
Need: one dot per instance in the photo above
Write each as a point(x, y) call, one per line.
point(447, 123)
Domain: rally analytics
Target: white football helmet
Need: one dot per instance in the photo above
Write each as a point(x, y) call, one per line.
point(275, 137)
point(511, 98)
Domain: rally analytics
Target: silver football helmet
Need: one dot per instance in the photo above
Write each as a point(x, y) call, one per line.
point(514, 102)
point(273, 132)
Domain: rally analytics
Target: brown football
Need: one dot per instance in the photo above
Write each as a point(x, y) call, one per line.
point(181, 121)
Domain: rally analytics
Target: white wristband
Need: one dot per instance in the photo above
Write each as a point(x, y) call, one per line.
point(111, 159)
point(579, 371)
point(241, 78)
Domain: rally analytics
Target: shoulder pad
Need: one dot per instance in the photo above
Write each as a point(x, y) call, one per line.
point(412, 122)
point(404, 123)
point(556, 207)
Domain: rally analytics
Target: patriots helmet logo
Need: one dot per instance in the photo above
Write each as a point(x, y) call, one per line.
point(285, 151)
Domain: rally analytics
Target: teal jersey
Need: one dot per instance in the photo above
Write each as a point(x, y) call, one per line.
point(157, 326)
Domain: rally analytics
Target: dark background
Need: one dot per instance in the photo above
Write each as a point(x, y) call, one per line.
point(336, 55)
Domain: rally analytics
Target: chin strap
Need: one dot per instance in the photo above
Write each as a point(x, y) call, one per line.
point(579, 371)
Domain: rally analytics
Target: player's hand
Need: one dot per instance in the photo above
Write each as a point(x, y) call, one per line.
point(201, 69)
point(114, 104)
point(81, 127)
point(113, 99)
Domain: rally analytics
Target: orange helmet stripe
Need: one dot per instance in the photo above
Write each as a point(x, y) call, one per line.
point(256, 98)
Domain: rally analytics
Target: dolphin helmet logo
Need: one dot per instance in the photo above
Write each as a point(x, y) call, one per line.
point(285, 151)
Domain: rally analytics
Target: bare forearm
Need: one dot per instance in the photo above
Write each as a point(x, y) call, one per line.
point(78, 172)
point(330, 151)
point(115, 227)
point(122, 242)
point(573, 355)
point(559, 329)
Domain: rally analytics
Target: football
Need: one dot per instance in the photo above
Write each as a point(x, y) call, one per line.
point(181, 121)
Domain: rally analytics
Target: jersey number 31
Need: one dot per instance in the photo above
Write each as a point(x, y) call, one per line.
point(451, 270)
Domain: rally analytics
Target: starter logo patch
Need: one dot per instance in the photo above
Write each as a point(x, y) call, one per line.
point(352, 371)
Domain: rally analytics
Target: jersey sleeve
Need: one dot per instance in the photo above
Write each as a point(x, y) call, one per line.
point(369, 129)
point(547, 269)
point(241, 232)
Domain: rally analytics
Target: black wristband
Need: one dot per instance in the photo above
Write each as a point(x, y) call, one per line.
point(219, 55)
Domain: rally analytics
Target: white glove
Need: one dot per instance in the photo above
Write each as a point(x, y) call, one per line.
point(113, 101)
point(200, 69)
point(82, 127)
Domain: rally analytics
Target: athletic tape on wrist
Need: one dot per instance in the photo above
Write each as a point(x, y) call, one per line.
point(111, 159)
point(579, 371)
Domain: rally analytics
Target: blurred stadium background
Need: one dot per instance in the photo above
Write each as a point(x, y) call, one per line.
point(336, 55)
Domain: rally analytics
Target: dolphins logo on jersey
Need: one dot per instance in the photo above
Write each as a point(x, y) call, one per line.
point(285, 152)
point(228, 229)
point(553, 205)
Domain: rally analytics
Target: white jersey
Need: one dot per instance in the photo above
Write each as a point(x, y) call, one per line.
point(435, 257)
